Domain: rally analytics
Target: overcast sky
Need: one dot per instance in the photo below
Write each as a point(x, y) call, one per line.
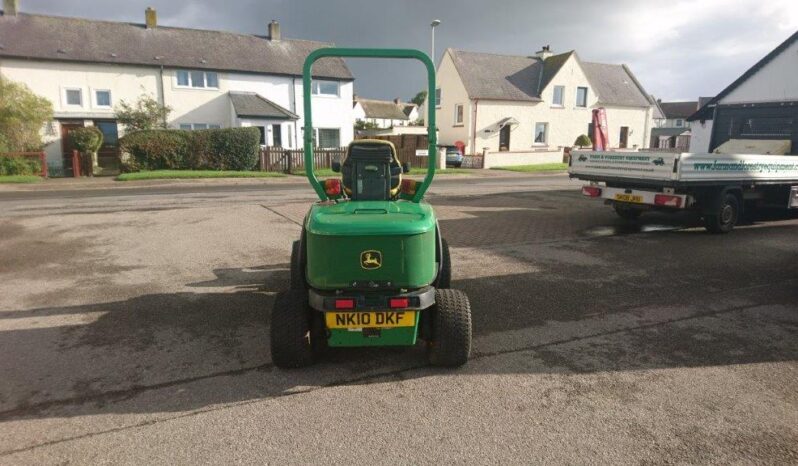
point(678, 49)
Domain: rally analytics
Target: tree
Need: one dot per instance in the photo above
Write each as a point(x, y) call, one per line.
point(145, 113)
point(22, 116)
point(360, 124)
point(419, 98)
point(582, 141)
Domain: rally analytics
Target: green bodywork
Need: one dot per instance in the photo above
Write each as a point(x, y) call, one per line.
point(403, 231)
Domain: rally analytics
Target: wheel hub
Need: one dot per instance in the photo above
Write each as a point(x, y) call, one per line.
point(726, 213)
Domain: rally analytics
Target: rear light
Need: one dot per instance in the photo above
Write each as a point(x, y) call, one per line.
point(591, 191)
point(409, 187)
point(666, 200)
point(332, 187)
point(344, 303)
point(395, 303)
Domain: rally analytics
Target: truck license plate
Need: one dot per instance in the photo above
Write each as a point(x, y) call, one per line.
point(629, 198)
point(379, 319)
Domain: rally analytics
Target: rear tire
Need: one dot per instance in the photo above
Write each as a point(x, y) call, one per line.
point(724, 220)
point(451, 329)
point(297, 267)
point(626, 212)
point(290, 330)
point(444, 279)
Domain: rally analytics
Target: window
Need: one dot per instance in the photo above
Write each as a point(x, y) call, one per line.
point(277, 135)
point(191, 126)
point(458, 114)
point(328, 88)
point(541, 133)
point(197, 79)
point(262, 130)
point(329, 138)
point(102, 98)
point(581, 97)
point(557, 99)
point(679, 123)
point(438, 98)
point(185, 125)
point(290, 137)
point(214, 126)
point(74, 97)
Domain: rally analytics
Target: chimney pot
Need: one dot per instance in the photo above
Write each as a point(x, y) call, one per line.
point(397, 101)
point(544, 52)
point(10, 7)
point(150, 18)
point(274, 30)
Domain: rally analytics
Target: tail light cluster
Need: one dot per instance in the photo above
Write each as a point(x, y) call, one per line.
point(591, 191)
point(667, 200)
point(345, 304)
point(409, 187)
point(332, 187)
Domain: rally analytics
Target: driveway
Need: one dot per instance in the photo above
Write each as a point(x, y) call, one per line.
point(134, 329)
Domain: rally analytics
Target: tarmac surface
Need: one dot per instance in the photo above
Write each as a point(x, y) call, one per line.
point(134, 328)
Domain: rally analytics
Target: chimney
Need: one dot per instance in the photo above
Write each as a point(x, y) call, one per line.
point(397, 101)
point(544, 52)
point(10, 7)
point(274, 30)
point(150, 17)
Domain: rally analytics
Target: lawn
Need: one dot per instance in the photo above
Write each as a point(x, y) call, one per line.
point(20, 179)
point(186, 174)
point(540, 167)
point(413, 171)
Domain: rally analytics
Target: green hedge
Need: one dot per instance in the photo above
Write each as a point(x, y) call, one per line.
point(208, 149)
point(19, 166)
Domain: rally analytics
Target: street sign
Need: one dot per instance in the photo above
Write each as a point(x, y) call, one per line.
point(422, 152)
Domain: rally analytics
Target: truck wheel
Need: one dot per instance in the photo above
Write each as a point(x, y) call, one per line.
point(626, 212)
point(297, 267)
point(726, 217)
point(451, 329)
point(290, 330)
point(444, 279)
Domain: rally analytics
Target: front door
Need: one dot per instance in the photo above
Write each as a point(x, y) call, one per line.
point(277, 135)
point(108, 155)
point(504, 138)
point(67, 144)
point(624, 141)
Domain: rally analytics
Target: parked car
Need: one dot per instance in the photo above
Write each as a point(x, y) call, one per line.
point(454, 158)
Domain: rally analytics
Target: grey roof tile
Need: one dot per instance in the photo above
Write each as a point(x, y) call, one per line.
point(250, 104)
point(386, 109)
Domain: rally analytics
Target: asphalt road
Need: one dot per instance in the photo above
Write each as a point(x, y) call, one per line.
point(134, 329)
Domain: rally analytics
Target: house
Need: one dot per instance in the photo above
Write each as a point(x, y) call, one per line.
point(761, 104)
point(382, 113)
point(493, 102)
point(412, 111)
point(210, 79)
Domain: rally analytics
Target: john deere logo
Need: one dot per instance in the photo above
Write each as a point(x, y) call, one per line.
point(371, 259)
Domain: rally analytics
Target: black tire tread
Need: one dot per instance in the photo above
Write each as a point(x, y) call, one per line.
point(712, 222)
point(451, 329)
point(444, 279)
point(290, 328)
point(297, 267)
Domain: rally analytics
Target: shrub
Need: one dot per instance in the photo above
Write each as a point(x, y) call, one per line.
point(213, 149)
point(583, 140)
point(145, 113)
point(88, 139)
point(22, 116)
point(19, 166)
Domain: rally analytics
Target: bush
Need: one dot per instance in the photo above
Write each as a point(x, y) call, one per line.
point(210, 149)
point(88, 139)
point(583, 140)
point(22, 116)
point(19, 166)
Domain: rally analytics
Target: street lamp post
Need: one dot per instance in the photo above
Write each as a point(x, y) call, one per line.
point(432, 48)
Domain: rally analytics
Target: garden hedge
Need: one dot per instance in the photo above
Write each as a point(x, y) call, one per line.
point(19, 166)
point(207, 149)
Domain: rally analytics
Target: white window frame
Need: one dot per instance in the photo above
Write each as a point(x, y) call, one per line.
point(438, 96)
point(191, 85)
point(461, 109)
point(96, 103)
point(194, 126)
point(318, 141)
point(577, 96)
point(545, 134)
point(315, 88)
point(562, 97)
point(679, 123)
point(66, 98)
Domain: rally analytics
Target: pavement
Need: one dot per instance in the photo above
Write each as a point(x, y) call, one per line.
point(134, 329)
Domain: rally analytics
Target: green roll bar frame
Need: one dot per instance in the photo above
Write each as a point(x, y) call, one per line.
point(369, 53)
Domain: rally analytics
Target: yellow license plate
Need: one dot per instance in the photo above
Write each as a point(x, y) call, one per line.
point(379, 319)
point(629, 198)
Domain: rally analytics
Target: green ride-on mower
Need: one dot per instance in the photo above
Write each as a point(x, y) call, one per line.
point(370, 267)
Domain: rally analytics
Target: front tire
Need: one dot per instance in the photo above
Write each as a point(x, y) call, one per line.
point(451, 329)
point(724, 220)
point(291, 344)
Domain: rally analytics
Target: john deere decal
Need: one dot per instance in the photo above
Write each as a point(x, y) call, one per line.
point(371, 259)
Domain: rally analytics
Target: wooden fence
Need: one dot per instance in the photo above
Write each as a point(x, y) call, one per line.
point(406, 146)
point(38, 155)
point(280, 159)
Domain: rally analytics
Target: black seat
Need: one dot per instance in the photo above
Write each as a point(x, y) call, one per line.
point(371, 171)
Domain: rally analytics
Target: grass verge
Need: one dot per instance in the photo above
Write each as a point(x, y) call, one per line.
point(413, 171)
point(538, 167)
point(192, 174)
point(20, 179)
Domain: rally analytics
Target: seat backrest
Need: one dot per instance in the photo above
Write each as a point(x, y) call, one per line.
point(371, 170)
